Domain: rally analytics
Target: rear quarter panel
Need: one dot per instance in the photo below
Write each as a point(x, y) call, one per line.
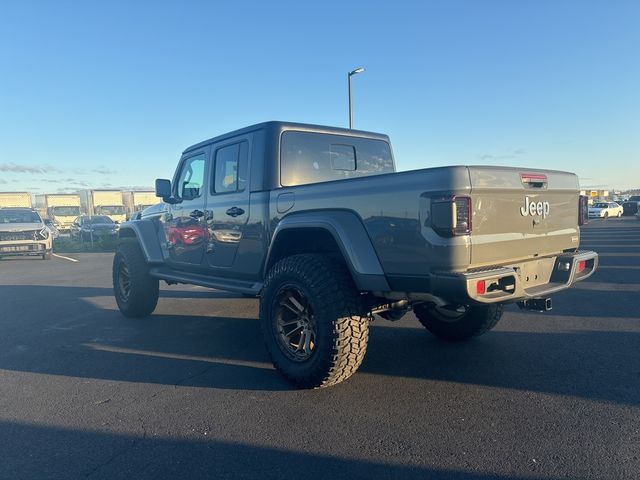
point(392, 210)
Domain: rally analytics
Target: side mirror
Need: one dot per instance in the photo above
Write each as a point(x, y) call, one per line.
point(163, 188)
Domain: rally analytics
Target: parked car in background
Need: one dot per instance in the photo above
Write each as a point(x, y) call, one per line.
point(632, 205)
point(92, 228)
point(605, 210)
point(22, 232)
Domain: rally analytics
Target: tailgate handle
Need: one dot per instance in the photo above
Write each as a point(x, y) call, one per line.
point(533, 180)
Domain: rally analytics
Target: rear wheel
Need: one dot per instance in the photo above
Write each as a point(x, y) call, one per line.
point(312, 321)
point(135, 290)
point(619, 214)
point(457, 322)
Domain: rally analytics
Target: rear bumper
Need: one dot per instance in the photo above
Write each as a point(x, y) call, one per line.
point(532, 279)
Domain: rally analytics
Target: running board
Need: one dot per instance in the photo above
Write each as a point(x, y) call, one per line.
point(229, 285)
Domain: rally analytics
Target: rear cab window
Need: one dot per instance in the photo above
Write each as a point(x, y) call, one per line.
point(307, 157)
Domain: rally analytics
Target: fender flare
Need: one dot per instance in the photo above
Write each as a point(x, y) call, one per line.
point(145, 233)
point(349, 233)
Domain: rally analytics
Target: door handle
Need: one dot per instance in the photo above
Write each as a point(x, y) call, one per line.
point(235, 211)
point(197, 214)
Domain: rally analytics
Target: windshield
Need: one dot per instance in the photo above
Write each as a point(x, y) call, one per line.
point(599, 205)
point(110, 209)
point(98, 219)
point(66, 211)
point(19, 216)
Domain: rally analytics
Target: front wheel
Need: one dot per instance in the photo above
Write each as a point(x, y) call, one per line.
point(457, 322)
point(312, 320)
point(135, 290)
point(46, 255)
point(606, 215)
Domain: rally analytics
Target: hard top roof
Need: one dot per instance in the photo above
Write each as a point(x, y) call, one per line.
point(278, 127)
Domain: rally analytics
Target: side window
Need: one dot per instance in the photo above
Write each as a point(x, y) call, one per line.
point(191, 178)
point(230, 172)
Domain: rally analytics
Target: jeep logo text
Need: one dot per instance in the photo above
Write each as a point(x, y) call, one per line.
point(535, 208)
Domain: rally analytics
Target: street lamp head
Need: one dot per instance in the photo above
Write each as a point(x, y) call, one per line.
point(356, 71)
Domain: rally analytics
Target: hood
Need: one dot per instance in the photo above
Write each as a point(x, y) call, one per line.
point(154, 209)
point(20, 227)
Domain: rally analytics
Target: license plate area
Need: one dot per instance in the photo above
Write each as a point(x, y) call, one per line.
point(535, 272)
point(19, 248)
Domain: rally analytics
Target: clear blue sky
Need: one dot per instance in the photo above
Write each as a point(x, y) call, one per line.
point(107, 94)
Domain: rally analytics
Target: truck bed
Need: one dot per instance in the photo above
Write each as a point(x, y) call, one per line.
point(395, 209)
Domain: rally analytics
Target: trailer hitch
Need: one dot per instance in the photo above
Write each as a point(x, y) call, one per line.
point(536, 304)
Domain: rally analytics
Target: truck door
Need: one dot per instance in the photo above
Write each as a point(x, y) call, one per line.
point(228, 203)
point(185, 226)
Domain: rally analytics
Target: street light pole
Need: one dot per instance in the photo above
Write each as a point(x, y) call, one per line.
point(353, 72)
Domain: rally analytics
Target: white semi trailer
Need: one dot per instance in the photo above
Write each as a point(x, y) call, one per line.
point(15, 199)
point(104, 202)
point(61, 208)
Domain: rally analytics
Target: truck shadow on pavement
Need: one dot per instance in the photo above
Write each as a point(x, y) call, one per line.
point(67, 453)
point(78, 339)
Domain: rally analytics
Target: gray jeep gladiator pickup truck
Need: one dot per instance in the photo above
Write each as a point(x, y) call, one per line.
point(315, 221)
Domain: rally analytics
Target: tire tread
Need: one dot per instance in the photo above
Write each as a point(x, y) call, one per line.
point(145, 289)
point(478, 321)
point(335, 294)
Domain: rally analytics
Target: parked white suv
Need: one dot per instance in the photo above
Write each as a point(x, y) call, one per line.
point(22, 232)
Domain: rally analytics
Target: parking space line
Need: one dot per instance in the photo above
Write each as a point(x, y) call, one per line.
point(66, 258)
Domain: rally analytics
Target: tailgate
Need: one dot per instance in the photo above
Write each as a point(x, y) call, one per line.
point(522, 214)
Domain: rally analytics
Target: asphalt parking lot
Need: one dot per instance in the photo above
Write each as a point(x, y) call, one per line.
point(190, 391)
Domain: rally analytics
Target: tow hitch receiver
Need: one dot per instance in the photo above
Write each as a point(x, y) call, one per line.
point(536, 304)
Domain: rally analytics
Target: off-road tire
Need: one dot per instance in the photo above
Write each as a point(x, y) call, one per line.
point(476, 321)
point(342, 328)
point(143, 290)
point(46, 255)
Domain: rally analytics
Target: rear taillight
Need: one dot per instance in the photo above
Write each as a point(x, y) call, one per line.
point(451, 215)
point(583, 209)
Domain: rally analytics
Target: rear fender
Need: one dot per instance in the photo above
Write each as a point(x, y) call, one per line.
point(351, 237)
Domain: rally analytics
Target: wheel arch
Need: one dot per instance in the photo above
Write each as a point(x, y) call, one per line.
point(143, 232)
point(336, 232)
